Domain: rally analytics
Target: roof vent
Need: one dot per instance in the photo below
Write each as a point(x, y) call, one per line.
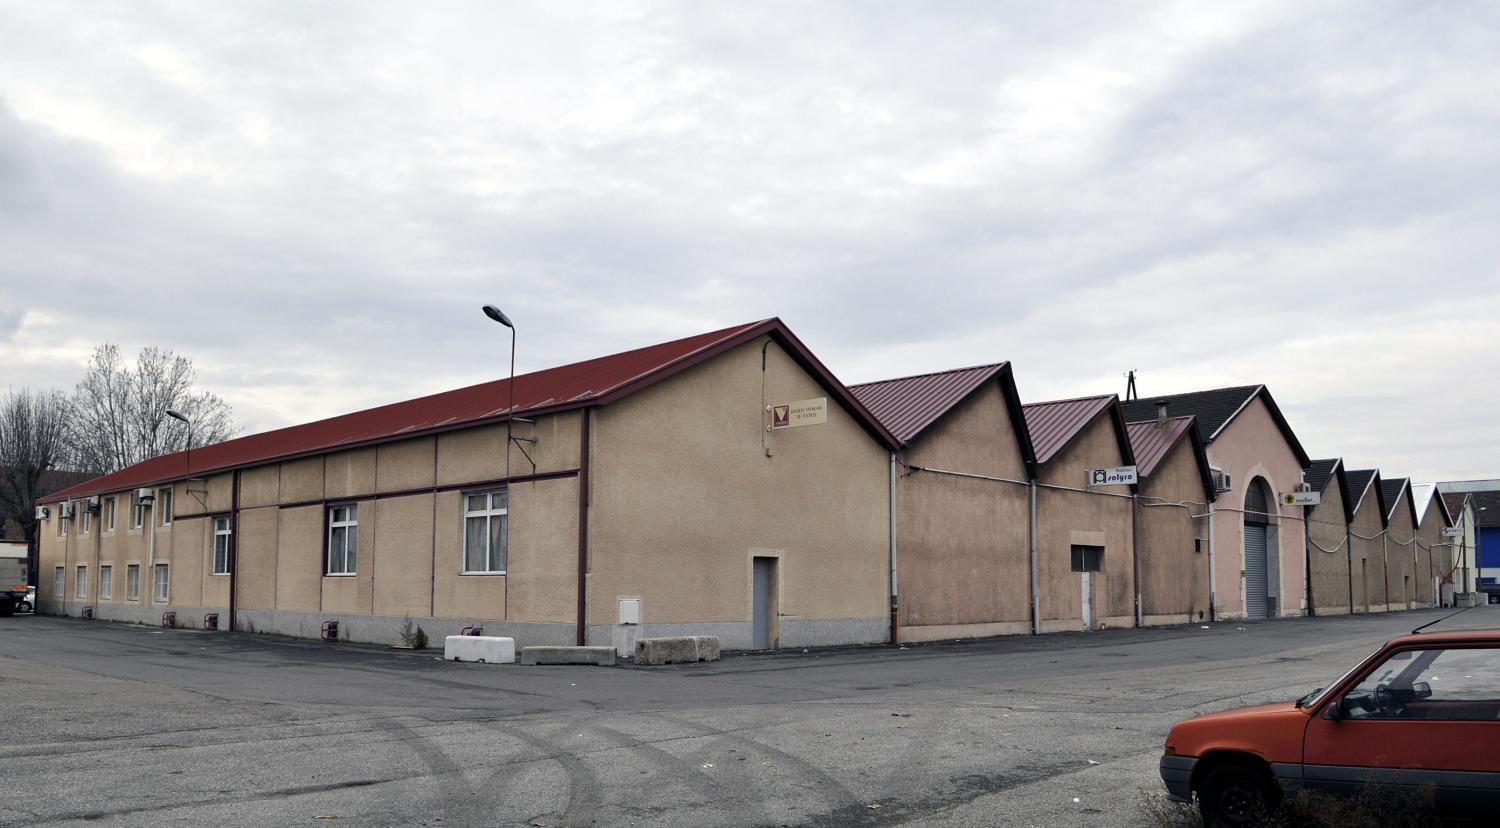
point(1161, 413)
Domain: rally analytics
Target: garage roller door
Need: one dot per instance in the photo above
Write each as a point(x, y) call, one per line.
point(1255, 571)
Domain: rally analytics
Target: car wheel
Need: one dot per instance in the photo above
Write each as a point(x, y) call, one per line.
point(1231, 796)
point(24, 606)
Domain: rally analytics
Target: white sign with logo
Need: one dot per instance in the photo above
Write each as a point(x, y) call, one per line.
point(1301, 499)
point(800, 413)
point(1118, 476)
point(1453, 531)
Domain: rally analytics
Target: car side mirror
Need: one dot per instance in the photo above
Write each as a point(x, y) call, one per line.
point(1421, 690)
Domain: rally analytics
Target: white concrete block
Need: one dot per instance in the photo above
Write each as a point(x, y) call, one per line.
point(488, 649)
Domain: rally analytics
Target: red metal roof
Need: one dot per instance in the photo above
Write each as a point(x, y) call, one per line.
point(1151, 442)
point(908, 405)
point(1455, 502)
point(592, 382)
point(1054, 424)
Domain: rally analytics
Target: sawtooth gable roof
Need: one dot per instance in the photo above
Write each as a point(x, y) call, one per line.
point(908, 406)
point(593, 382)
point(1053, 425)
point(1454, 503)
point(1215, 409)
point(1391, 491)
point(1318, 473)
point(1425, 495)
point(1366, 483)
point(1152, 443)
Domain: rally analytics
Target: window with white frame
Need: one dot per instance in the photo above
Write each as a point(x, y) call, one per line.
point(161, 582)
point(109, 515)
point(62, 522)
point(84, 520)
point(486, 531)
point(133, 582)
point(59, 583)
point(106, 582)
point(221, 546)
point(137, 512)
point(343, 539)
point(81, 586)
point(164, 506)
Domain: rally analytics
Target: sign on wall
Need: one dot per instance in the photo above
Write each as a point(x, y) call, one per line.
point(800, 413)
point(1453, 531)
point(1301, 498)
point(1118, 476)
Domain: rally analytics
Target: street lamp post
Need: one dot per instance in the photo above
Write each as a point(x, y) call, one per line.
point(510, 411)
point(181, 417)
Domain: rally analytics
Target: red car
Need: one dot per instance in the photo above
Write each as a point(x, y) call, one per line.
point(1424, 710)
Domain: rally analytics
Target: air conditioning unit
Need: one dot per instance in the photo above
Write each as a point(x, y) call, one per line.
point(1223, 481)
point(92, 504)
point(42, 513)
point(65, 511)
point(145, 497)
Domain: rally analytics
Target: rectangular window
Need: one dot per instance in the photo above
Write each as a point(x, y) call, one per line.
point(164, 506)
point(1087, 558)
point(343, 539)
point(59, 583)
point(486, 531)
point(109, 515)
point(62, 522)
point(161, 582)
point(84, 520)
point(133, 582)
point(221, 546)
point(81, 586)
point(137, 512)
point(106, 582)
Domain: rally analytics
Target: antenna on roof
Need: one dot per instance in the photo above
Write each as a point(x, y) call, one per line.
point(1440, 620)
point(1130, 393)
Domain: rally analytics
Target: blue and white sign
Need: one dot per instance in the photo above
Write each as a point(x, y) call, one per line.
point(1118, 476)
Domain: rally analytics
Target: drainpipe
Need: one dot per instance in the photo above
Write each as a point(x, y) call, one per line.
point(148, 519)
point(1036, 614)
point(234, 548)
point(583, 525)
point(1213, 597)
point(1349, 555)
point(1385, 568)
point(1135, 555)
point(895, 601)
point(1307, 585)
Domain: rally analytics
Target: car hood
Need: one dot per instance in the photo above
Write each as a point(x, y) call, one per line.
point(1270, 731)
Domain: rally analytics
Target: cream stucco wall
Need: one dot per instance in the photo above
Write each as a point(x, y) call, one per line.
point(1368, 545)
point(1400, 556)
point(684, 495)
point(963, 551)
point(1253, 446)
point(1065, 518)
point(1174, 570)
point(1328, 530)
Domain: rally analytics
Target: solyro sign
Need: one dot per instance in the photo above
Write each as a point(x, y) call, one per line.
point(1118, 476)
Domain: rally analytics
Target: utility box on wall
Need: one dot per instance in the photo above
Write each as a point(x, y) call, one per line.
point(630, 610)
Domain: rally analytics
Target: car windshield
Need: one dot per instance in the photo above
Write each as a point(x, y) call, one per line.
point(1317, 695)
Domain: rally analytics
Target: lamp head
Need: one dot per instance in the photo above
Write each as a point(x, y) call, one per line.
point(178, 415)
point(498, 315)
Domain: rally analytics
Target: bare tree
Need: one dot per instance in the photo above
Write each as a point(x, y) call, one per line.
point(33, 441)
point(120, 411)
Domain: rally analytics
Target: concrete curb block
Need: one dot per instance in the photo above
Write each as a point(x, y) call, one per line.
point(600, 656)
point(486, 649)
point(682, 649)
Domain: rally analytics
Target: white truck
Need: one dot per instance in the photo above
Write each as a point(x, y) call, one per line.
point(12, 584)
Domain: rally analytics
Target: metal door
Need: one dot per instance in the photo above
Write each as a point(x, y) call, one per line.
point(1255, 571)
point(1088, 600)
point(763, 604)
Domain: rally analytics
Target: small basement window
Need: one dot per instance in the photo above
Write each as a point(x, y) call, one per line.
point(1087, 558)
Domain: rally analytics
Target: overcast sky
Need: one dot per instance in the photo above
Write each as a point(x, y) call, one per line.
point(313, 200)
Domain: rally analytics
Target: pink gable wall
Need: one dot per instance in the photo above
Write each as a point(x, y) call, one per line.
point(1253, 446)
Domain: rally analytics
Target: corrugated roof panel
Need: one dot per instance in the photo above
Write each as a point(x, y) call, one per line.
point(535, 392)
point(1151, 442)
point(908, 405)
point(1392, 490)
point(1054, 424)
point(1319, 472)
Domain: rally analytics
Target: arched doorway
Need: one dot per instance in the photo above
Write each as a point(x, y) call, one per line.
point(1260, 537)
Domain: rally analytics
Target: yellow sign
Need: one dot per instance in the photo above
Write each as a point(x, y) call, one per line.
point(800, 413)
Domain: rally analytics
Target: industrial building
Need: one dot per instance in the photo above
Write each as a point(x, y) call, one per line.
point(1330, 549)
point(1173, 509)
point(725, 483)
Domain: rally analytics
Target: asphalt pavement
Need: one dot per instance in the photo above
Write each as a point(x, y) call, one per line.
point(123, 725)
